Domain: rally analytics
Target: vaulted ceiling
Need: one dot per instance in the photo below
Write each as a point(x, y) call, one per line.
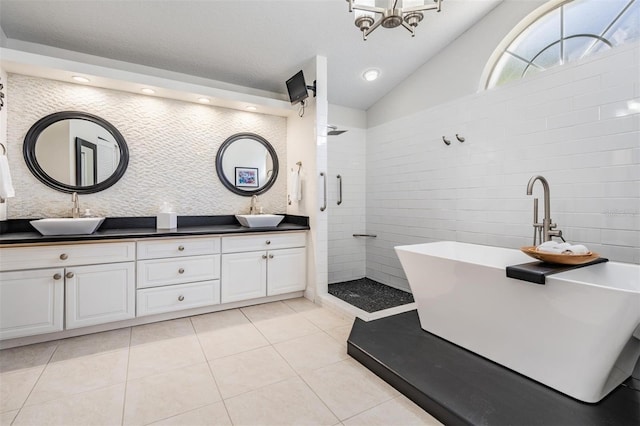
point(252, 43)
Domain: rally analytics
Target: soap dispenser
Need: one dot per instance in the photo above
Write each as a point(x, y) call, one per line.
point(166, 217)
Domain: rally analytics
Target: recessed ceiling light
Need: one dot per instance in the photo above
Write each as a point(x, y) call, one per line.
point(80, 79)
point(148, 91)
point(204, 100)
point(251, 108)
point(371, 74)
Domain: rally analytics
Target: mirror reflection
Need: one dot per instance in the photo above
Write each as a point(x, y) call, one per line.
point(75, 152)
point(247, 164)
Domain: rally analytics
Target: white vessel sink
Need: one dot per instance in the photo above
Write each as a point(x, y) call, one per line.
point(259, 220)
point(67, 225)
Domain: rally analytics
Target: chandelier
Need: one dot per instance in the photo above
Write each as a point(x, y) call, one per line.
point(407, 13)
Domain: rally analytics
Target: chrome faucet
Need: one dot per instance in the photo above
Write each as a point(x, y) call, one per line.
point(75, 211)
point(254, 205)
point(542, 231)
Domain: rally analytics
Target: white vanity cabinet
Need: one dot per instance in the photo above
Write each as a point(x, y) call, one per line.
point(58, 290)
point(97, 279)
point(31, 302)
point(97, 294)
point(177, 273)
point(262, 265)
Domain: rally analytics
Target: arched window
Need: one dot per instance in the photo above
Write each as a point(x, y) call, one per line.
point(570, 31)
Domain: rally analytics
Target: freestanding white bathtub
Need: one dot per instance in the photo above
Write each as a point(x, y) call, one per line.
point(579, 333)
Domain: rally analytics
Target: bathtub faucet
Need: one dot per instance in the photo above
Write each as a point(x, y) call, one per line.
point(542, 231)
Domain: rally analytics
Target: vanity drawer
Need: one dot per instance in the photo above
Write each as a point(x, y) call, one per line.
point(177, 297)
point(266, 241)
point(15, 258)
point(177, 247)
point(161, 272)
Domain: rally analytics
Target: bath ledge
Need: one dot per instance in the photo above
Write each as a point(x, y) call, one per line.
point(536, 272)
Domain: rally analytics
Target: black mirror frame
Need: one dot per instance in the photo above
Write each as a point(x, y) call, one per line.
point(29, 151)
point(230, 186)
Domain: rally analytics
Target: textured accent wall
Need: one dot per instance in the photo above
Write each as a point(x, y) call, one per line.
point(577, 125)
point(172, 146)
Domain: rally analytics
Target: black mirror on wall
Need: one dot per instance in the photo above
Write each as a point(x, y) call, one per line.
point(73, 151)
point(247, 164)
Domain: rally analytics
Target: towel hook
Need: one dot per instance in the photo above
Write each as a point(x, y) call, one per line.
point(460, 138)
point(299, 164)
point(446, 141)
point(4, 149)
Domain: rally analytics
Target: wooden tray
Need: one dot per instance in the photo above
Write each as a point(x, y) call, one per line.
point(562, 259)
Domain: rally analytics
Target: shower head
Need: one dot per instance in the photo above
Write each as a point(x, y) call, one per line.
point(333, 131)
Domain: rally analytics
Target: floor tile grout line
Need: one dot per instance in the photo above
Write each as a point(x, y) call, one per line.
point(213, 377)
point(35, 383)
point(126, 378)
point(307, 384)
point(272, 345)
point(57, 346)
point(266, 303)
point(295, 373)
point(339, 419)
point(184, 412)
point(370, 408)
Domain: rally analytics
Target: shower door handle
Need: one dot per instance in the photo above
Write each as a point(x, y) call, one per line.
point(324, 183)
point(339, 189)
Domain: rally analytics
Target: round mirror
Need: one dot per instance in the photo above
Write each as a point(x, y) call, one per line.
point(75, 152)
point(247, 164)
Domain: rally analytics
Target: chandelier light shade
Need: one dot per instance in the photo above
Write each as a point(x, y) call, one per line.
point(408, 13)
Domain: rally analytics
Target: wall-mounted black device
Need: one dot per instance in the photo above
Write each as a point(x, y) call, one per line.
point(297, 88)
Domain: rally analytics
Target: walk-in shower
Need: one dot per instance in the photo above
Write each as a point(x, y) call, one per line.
point(348, 238)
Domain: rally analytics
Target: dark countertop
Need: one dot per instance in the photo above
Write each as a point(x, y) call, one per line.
point(536, 272)
point(20, 231)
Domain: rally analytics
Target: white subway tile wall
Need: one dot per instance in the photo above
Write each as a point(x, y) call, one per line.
point(577, 125)
point(347, 158)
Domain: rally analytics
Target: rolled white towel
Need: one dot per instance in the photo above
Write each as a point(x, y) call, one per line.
point(553, 247)
point(576, 249)
point(550, 249)
point(295, 189)
point(561, 248)
point(6, 186)
point(547, 244)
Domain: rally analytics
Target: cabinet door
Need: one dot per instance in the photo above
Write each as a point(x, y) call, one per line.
point(97, 294)
point(243, 276)
point(286, 271)
point(31, 302)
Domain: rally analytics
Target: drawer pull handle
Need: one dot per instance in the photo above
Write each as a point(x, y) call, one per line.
point(64, 256)
point(180, 298)
point(181, 271)
point(57, 276)
point(270, 256)
point(69, 275)
point(264, 256)
point(180, 248)
point(268, 242)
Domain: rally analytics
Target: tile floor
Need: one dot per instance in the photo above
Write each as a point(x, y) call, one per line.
point(281, 363)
